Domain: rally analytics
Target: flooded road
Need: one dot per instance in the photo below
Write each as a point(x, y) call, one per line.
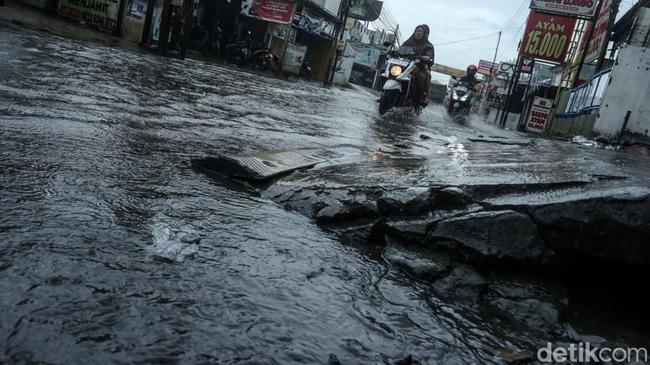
point(96, 146)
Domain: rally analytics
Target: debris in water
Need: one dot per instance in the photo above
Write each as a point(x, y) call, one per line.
point(172, 243)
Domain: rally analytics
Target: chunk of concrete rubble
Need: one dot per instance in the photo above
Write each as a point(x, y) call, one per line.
point(462, 282)
point(590, 226)
point(533, 313)
point(409, 201)
point(409, 230)
point(493, 235)
point(427, 268)
point(359, 232)
point(450, 198)
point(536, 303)
point(327, 204)
point(515, 357)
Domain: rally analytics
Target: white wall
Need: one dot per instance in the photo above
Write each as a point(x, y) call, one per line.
point(628, 90)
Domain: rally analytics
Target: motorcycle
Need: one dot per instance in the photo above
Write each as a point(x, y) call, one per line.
point(305, 71)
point(242, 54)
point(460, 100)
point(400, 67)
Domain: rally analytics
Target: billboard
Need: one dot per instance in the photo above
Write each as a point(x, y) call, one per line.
point(571, 8)
point(365, 55)
point(446, 70)
point(102, 14)
point(487, 68)
point(276, 11)
point(366, 10)
point(294, 56)
point(599, 39)
point(539, 114)
point(547, 37)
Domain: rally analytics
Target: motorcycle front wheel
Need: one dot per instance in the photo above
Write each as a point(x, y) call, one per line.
point(388, 101)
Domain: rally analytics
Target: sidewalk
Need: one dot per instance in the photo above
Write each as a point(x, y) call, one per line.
point(17, 13)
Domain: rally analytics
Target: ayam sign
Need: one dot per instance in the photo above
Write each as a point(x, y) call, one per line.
point(547, 37)
point(539, 115)
point(276, 11)
point(573, 8)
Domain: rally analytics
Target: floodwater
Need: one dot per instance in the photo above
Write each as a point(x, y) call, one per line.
point(96, 185)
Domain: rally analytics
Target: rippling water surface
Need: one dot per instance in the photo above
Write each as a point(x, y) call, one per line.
point(95, 150)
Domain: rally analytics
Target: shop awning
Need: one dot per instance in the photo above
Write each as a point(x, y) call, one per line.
point(319, 12)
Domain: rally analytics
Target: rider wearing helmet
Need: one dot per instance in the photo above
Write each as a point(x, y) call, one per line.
point(470, 77)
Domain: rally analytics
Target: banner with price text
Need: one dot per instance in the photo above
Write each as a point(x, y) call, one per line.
point(547, 37)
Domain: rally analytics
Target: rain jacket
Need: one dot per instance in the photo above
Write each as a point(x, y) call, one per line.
point(421, 47)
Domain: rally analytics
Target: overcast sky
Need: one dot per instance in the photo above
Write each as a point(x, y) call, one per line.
point(453, 20)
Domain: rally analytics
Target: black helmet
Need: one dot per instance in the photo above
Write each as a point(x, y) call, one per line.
point(472, 70)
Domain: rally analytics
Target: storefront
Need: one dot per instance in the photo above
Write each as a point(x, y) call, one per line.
point(315, 31)
point(101, 14)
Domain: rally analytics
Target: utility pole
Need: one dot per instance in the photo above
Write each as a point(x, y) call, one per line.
point(511, 90)
point(494, 61)
point(590, 37)
point(344, 9)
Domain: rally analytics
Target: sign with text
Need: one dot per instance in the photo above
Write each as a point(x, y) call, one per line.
point(547, 37)
point(366, 55)
point(599, 39)
point(539, 114)
point(99, 13)
point(526, 65)
point(486, 68)
point(275, 11)
point(506, 70)
point(571, 8)
point(366, 10)
point(446, 70)
point(294, 56)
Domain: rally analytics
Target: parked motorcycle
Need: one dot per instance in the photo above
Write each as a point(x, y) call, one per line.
point(400, 67)
point(460, 100)
point(305, 71)
point(243, 54)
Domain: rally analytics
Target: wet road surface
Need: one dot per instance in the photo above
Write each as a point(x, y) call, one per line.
point(96, 146)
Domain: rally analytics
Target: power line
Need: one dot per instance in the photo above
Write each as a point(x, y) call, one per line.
point(515, 14)
point(466, 40)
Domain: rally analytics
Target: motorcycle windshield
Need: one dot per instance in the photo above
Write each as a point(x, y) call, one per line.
point(405, 51)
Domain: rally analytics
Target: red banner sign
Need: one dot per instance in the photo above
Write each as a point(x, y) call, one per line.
point(599, 39)
point(276, 11)
point(547, 37)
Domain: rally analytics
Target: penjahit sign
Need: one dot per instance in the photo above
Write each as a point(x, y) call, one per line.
point(573, 8)
point(547, 37)
point(99, 13)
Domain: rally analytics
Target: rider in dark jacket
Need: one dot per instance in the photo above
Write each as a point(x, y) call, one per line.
point(470, 77)
point(420, 80)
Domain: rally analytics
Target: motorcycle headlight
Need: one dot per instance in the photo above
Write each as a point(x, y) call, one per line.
point(464, 98)
point(396, 71)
